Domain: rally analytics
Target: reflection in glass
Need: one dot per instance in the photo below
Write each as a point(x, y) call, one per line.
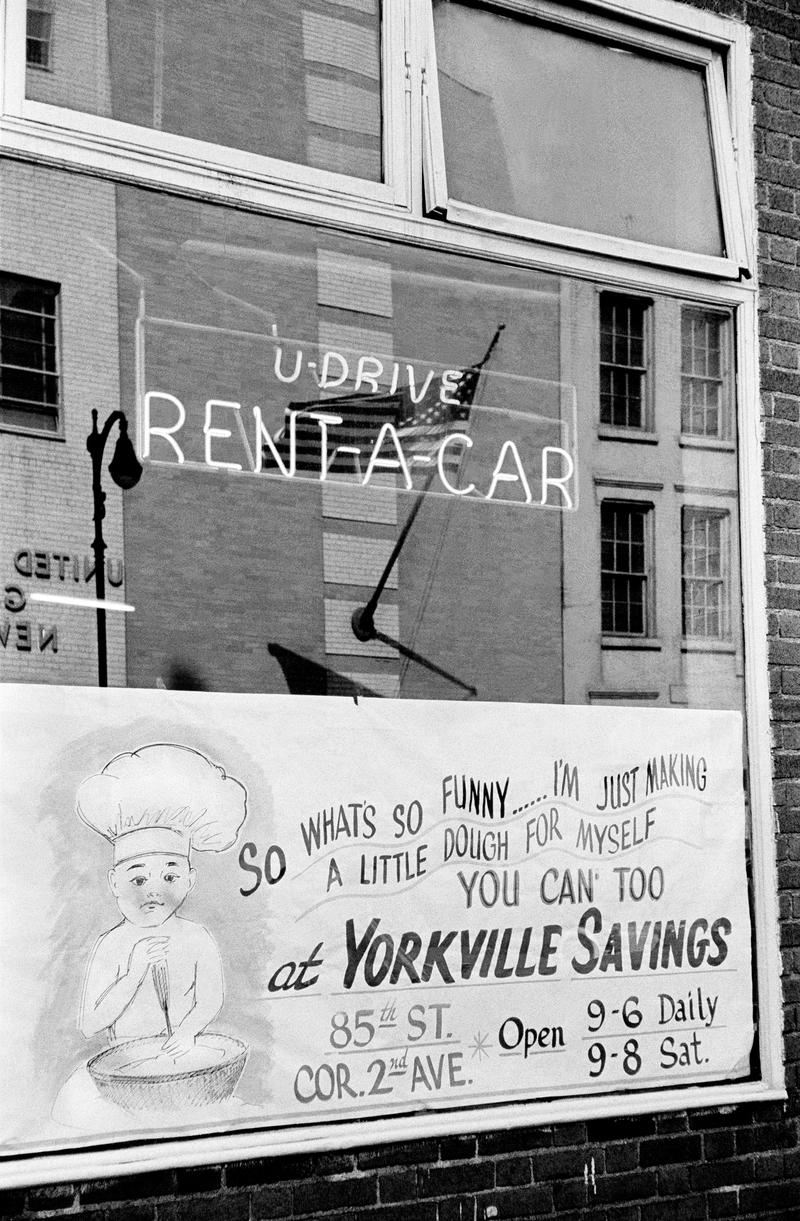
point(703, 373)
point(29, 391)
point(704, 595)
point(622, 361)
point(38, 34)
point(265, 76)
point(624, 571)
point(556, 127)
point(303, 394)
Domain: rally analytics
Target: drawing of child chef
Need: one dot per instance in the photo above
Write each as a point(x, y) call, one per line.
point(155, 972)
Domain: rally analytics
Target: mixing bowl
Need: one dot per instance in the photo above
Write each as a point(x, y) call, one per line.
point(138, 1076)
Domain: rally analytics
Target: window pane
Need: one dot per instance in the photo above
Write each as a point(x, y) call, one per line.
point(239, 311)
point(556, 127)
point(703, 379)
point(704, 578)
point(265, 76)
point(622, 372)
point(624, 569)
point(21, 415)
point(38, 32)
point(29, 383)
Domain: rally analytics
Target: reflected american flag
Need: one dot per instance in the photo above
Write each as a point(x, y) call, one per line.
point(421, 421)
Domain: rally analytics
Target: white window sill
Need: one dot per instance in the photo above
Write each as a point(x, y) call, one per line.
point(651, 643)
point(642, 436)
point(701, 644)
point(18, 431)
point(689, 441)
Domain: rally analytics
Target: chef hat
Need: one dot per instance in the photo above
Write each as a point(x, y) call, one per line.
point(163, 798)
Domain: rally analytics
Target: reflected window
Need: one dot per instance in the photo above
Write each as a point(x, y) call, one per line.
point(625, 568)
point(38, 37)
point(262, 76)
point(704, 569)
point(29, 382)
point(623, 371)
point(704, 373)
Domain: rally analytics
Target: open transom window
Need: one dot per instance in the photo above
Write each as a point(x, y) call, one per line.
point(579, 129)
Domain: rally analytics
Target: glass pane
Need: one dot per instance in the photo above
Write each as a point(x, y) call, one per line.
point(37, 42)
point(29, 384)
point(265, 76)
point(31, 387)
point(703, 377)
point(28, 353)
point(274, 353)
point(555, 127)
point(361, 463)
point(377, 337)
point(27, 416)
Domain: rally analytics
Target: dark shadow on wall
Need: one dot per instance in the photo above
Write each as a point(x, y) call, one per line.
point(181, 677)
point(306, 677)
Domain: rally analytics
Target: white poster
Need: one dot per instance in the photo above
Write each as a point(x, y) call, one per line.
point(227, 912)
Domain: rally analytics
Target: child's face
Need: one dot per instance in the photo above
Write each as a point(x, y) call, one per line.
point(150, 888)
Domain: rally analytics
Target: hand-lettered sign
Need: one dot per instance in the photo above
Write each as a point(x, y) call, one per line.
point(229, 912)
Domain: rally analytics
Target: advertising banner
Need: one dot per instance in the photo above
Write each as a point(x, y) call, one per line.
point(233, 912)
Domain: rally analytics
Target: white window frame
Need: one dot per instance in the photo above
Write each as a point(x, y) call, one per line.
point(648, 575)
point(723, 434)
point(45, 9)
point(608, 428)
point(713, 50)
point(64, 146)
point(147, 154)
point(723, 516)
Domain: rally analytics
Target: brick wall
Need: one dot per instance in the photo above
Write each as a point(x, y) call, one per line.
point(776, 48)
point(736, 1162)
point(741, 1161)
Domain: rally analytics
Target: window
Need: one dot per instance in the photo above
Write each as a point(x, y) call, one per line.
point(623, 372)
point(625, 568)
point(646, 111)
point(705, 378)
point(39, 31)
point(312, 98)
point(453, 419)
point(29, 383)
point(704, 573)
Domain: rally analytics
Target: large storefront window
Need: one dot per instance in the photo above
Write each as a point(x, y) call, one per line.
point(407, 655)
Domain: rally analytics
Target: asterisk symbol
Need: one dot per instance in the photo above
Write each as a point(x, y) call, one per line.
point(479, 1044)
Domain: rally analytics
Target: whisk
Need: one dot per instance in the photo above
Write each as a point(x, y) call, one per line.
point(161, 982)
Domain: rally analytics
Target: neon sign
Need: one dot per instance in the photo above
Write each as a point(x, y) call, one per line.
point(372, 419)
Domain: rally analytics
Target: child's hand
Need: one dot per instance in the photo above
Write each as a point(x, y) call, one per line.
point(145, 953)
point(179, 1042)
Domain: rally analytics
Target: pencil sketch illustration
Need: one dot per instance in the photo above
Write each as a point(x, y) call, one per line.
point(154, 981)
